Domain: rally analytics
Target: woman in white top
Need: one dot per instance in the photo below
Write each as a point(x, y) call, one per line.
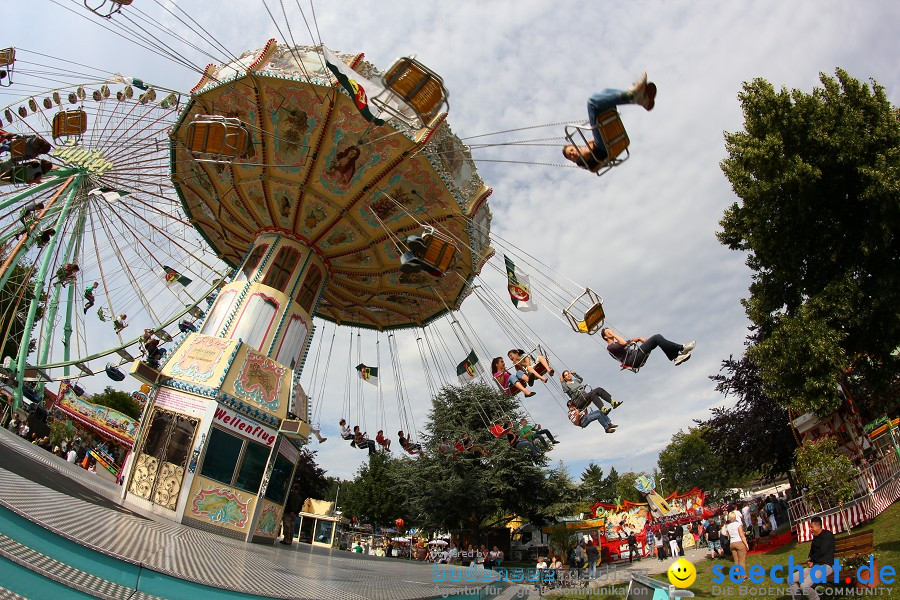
point(737, 541)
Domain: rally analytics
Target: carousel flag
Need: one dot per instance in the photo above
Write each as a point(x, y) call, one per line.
point(468, 369)
point(172, 276)
point(519, 287)
point(355, 84)
point(368, 374)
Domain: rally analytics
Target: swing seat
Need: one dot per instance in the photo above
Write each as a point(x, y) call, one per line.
point(214, 138)
point(114, 373)
point(417, 86)
point(440, 252)
point(69, 125)
point(107, 8)
point(613, 135)
point(497, 430)
point(7, 64)
point(593, 318)
point(633, 350)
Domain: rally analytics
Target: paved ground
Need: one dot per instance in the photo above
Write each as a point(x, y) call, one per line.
point(83, 507)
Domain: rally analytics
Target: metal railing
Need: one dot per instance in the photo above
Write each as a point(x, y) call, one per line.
point(868, 480)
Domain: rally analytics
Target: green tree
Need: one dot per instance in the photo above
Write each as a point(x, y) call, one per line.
point(818, 176)
point(311, 477)
point(592, 484)
point(372, 495)
point(118, 400)
point(469, 491)
point(689, 461)
point(59, 432)
point(827, 474)
point(15, 300)
point(769, 452)
point(625, 489)
point(608, 492)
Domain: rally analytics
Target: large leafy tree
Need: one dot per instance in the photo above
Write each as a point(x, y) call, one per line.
point(472, 492)
point(690, 461)
point(818, 176)
point(373, 495)
point(311, 477)
point(753, 437)
point(118, 400)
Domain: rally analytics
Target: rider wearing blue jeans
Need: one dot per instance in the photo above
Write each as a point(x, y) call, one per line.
point(641, 92)
point(583, 417)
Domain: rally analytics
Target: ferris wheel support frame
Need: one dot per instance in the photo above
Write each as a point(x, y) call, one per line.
point(72, 186)
point(44, 346)
point(13, 259)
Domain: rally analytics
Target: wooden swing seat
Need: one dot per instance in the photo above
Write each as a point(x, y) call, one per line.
point(417, 85)
point(439, 251)
point(593, 319)
point(69, 123)
point(215, 137)
point(7, 57)
point(613, 134)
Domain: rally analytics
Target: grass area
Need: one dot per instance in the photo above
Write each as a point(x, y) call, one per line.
point(887, 552)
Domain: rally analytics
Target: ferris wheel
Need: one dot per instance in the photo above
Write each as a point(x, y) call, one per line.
point(96, 250)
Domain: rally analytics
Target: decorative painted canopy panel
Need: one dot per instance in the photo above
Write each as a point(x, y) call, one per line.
point(319, 171)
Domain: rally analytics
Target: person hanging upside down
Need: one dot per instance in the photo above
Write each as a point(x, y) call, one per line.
point(522, 362)
point(383, 441)
point(575, 388)
point(594, 154)
point(582, 418)
point(633, 353)
point(509, 382)
point(361, 440)
point(409, 446)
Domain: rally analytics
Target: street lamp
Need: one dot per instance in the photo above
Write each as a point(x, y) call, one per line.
point(661, 492)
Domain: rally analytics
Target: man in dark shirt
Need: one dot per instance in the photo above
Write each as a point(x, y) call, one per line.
point(821, 552)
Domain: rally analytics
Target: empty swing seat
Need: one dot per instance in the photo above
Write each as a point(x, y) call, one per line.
point(69, 125)
point(420, 88)
point(593, 318)
point(7, 63)
point(107, 8)
point(217, 138)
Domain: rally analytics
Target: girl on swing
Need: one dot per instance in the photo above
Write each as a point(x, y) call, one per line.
point(523, 363)
point(510, 383)
point(633, 353)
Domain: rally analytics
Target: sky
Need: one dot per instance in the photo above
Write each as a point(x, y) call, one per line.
point(643, 235)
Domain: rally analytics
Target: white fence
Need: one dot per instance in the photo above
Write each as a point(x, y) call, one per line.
point(875, 488)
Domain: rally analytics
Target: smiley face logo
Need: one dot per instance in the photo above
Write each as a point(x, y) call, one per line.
point(682, 573)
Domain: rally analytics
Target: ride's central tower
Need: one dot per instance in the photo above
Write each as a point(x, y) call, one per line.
point(310, 197)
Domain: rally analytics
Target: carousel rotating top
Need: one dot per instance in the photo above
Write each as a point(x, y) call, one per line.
point(272, 144)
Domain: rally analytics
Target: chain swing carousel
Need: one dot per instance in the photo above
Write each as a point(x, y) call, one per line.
point(309, 193)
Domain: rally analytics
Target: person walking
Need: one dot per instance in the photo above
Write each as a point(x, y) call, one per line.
point(738, 542)
point(593, 555)
point(291, 508)
point(633, 547)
